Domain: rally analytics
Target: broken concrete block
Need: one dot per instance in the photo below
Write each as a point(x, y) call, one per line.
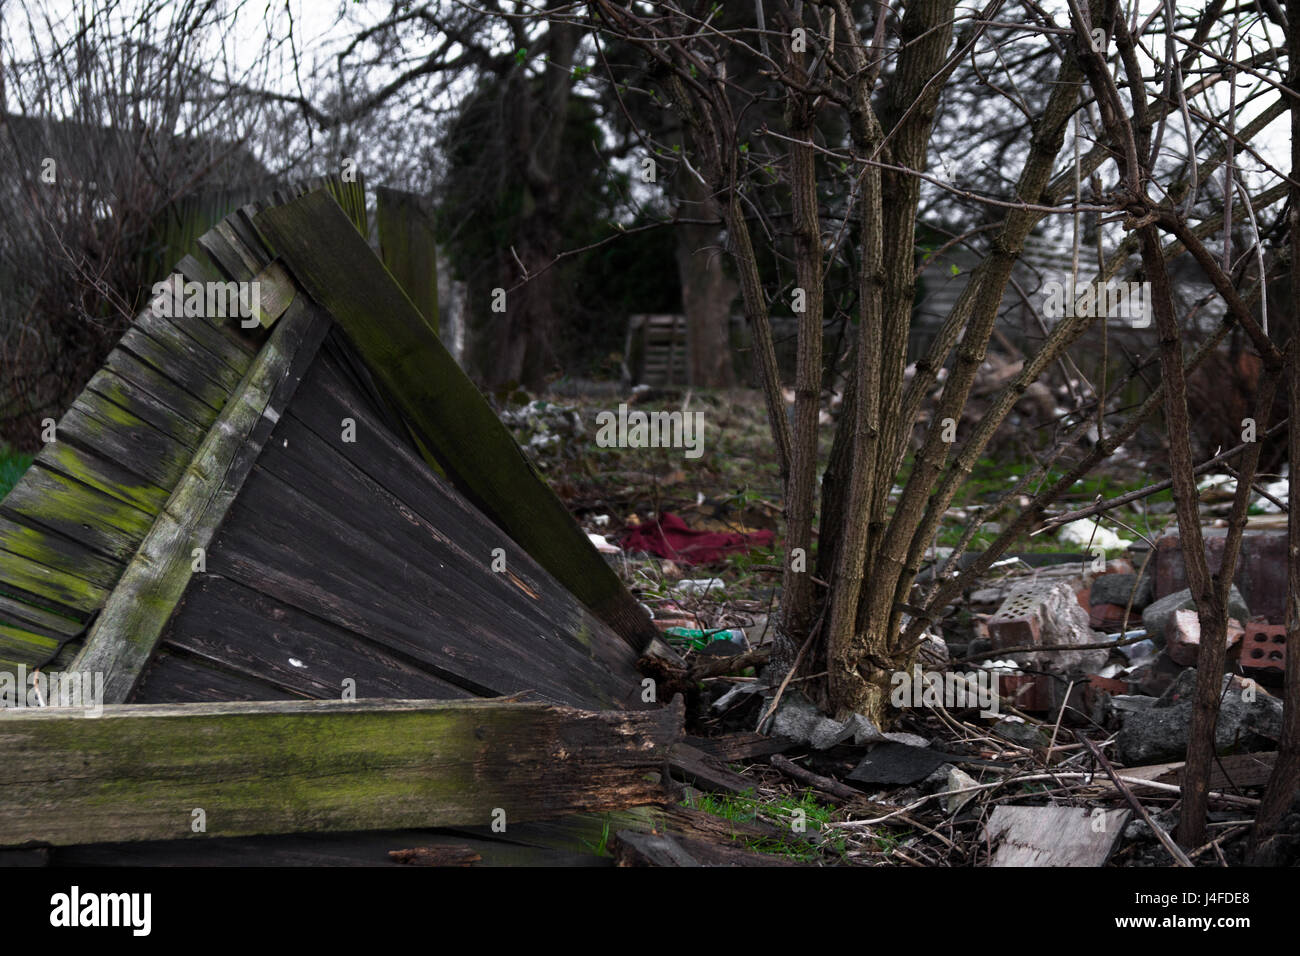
point(1261, 567)
point(1183, 637)
point(1047, 613)
point(1156, 617)
point(798, 719)
point(958, 780)
point(1249, 719)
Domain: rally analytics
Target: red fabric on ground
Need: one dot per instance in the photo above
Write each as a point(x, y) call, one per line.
point(670, 538)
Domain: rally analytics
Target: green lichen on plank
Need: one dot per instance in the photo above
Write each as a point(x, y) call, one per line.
point(137, 772)
point(103, 476)
point(54, 552)
point(59, 588)
point(139, 403)
point(78, 511)
point(127, 631)
point(23, 646)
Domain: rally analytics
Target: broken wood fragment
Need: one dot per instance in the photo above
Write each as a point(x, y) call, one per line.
point(1053, 836)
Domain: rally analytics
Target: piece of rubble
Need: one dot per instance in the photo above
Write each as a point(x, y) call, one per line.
point(1020, 731)
point(1261, 568)
point(1053, 836)
point(1250, 719)
point(958, 780)
point(1183, 636)
point(899, 763)
point(1263, 651)
point(1156, 617)
point(1118, 588)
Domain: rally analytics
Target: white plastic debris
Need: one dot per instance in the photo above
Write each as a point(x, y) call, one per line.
point(296, 663)
point(698, 585)
point(602, 545)
point(1087, 534)
point(1279, 490)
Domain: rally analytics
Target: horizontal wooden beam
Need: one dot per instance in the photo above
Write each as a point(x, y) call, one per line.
point(154, 772)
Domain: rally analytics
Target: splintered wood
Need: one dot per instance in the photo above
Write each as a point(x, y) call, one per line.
point(1053, 836)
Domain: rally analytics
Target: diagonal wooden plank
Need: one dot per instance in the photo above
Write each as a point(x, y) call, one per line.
point(449, 416)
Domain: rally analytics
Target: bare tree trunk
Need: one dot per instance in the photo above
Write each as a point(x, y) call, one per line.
point(797, 587)
point(1284, 784)
point(707, 290)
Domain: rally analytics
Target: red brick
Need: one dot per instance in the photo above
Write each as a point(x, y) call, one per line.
point(1263, 650)
point(1097, 685)
point(1028, 692)
point(1110, 617)
point(1019, 620)
point(1183, 637)
point(1261, 568)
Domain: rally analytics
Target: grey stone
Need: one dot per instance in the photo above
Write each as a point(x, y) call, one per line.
point(1117, 588)
point(1021, 732)
point(1158, 614)
point(799, 719)
point(1158, 732)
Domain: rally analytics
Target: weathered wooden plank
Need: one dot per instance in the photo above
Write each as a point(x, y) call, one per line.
point(55, 551)
point(19, 646)
point(743, 745)
point(176, 398)
point(704, 772)
point(326, 399)
point(283, 543)
point(177, 677)
point(409, 248)
point(251, 634)
point(634, 848)
point(51, 587)
point(456, 544)
point(35, 619)
point(205, 329)
point(139, 772)
point(177, 341)
point(112, 432)
point(1052, 836)
point(276, 291)
point(143, 405)
point(132, 620)
point(226, 256)
point(249, 248)
point(448, 414)
point(195, 270)
point(58, 503)
point(102, 475)
point(369, 848)
point(179, 368)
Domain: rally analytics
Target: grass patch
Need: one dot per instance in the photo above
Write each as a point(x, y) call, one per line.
point(802, 809)
point(12, 465)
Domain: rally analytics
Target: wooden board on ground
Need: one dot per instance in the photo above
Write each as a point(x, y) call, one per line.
point(1053, 836)
point(148, 772)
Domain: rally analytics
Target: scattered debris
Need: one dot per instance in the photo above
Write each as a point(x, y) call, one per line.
point(1155, 619)
point(1250, 718)
point(1053, 836)
point(671, 537)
